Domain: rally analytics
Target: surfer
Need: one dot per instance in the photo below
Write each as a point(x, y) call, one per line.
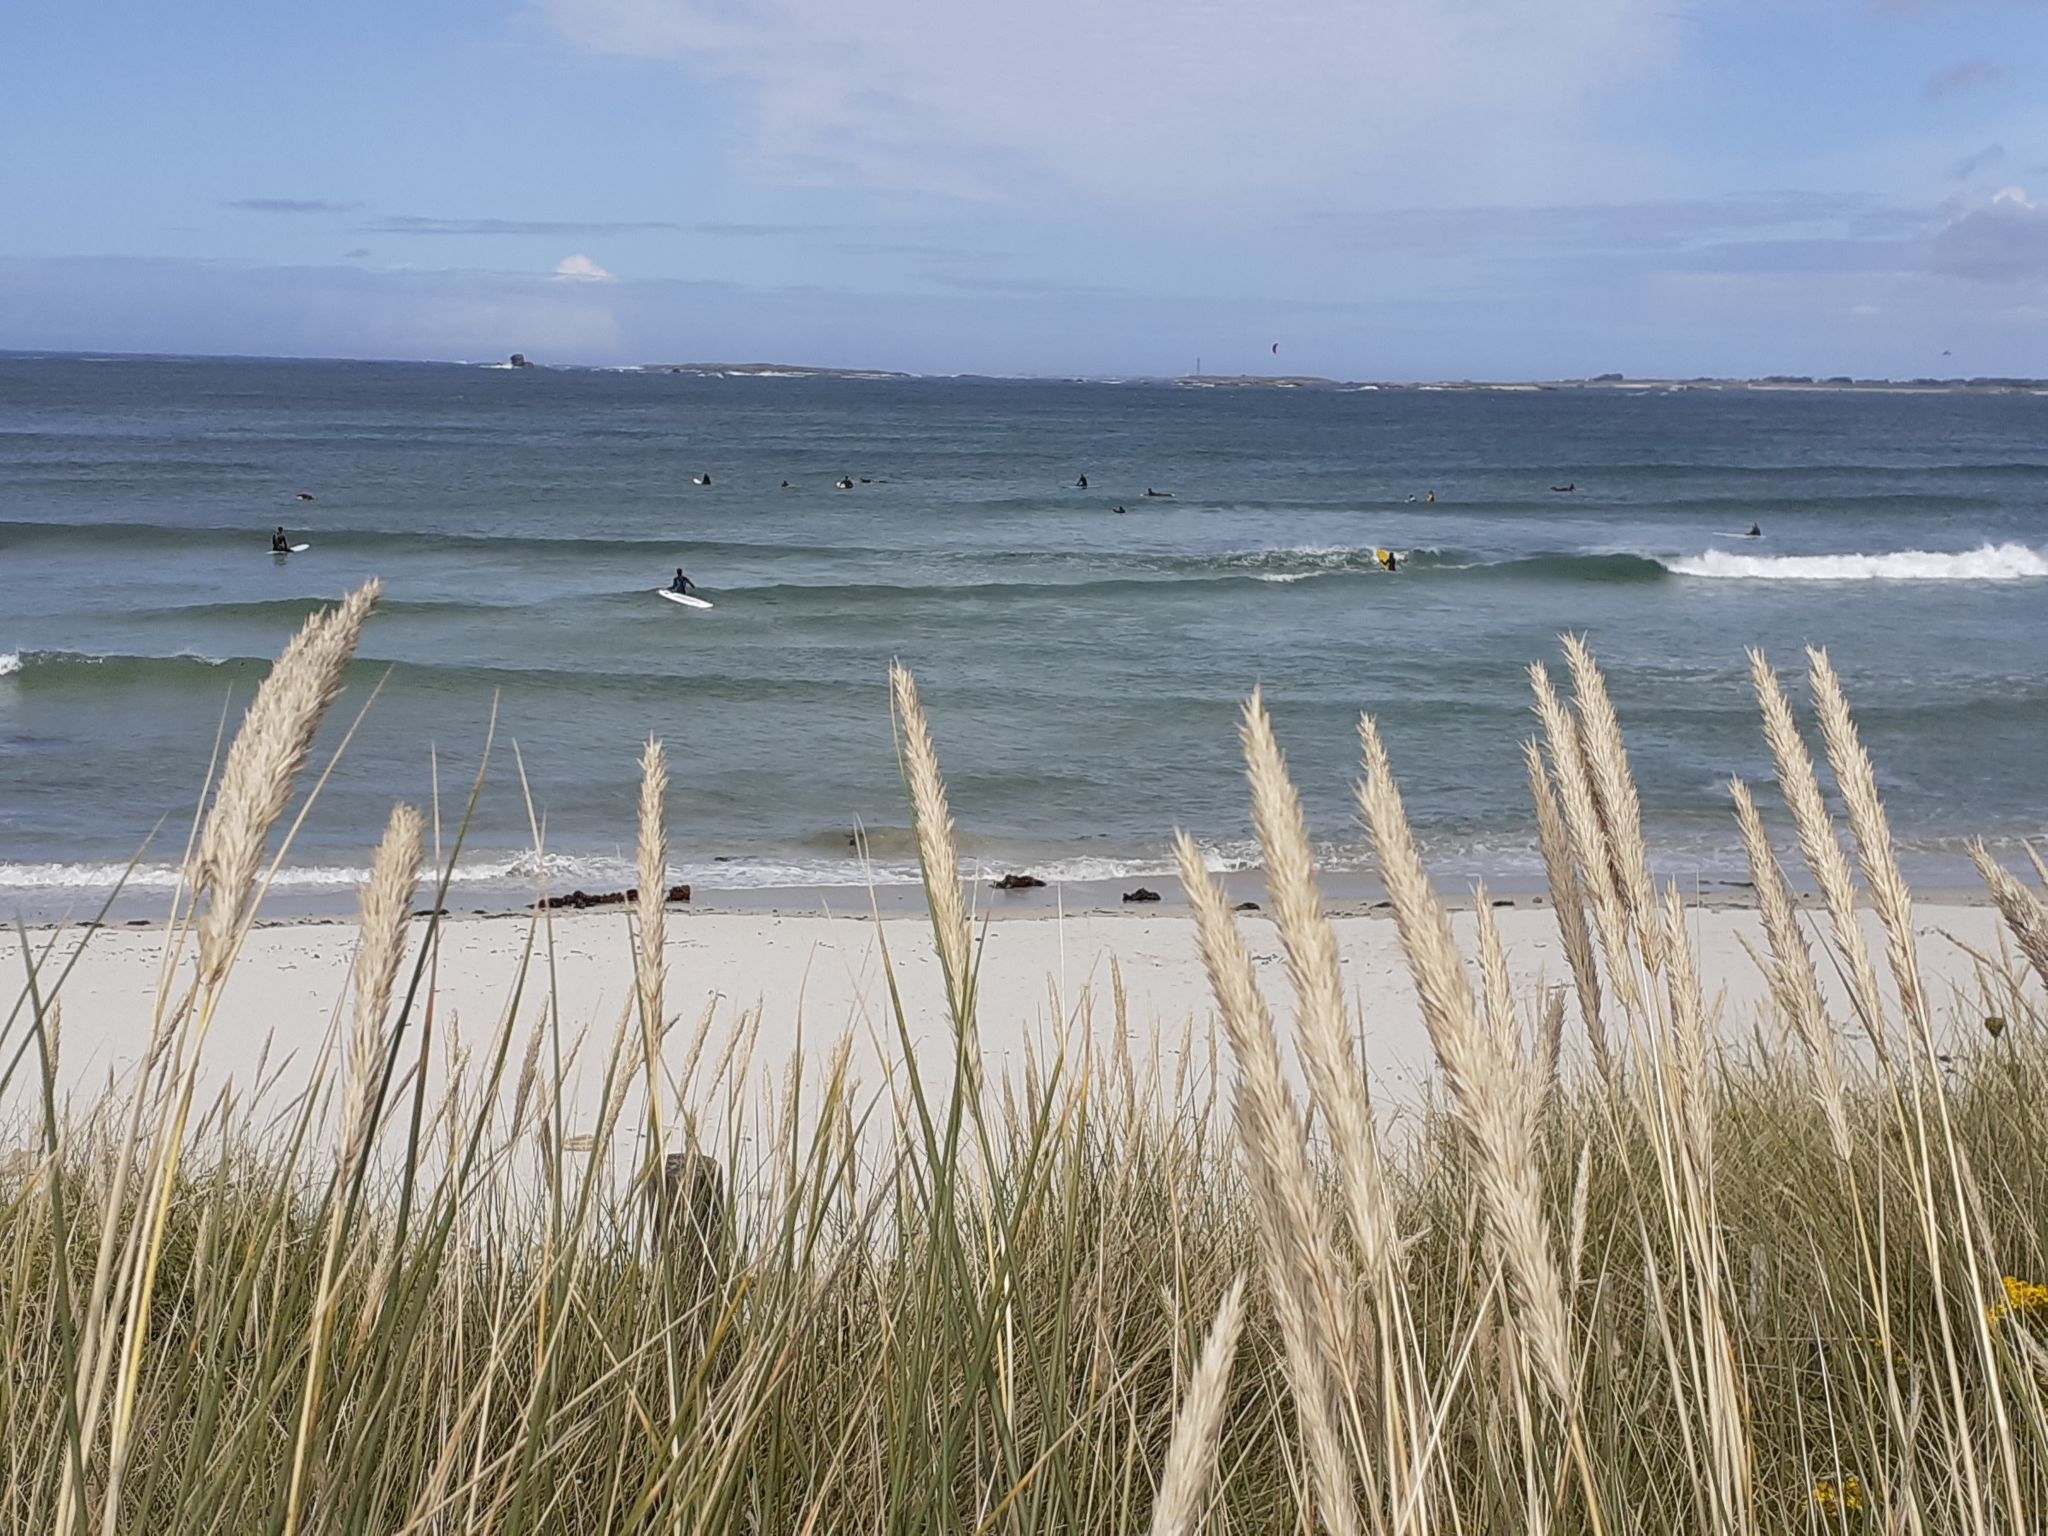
point(1081, 484)
point(1162, 495)
point(1430, 498)
point(1755, 532)
point(1389, 560)
point(846, 482)
point(703, 479)
point(279, 544)
point(1120, 509)
point(305, 496)
point(1562, 489)
point(682, 583)
point(787, 486)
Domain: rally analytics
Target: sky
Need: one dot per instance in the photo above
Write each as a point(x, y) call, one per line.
point(1384, 189)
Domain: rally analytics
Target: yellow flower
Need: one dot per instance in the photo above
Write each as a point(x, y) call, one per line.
point(1837, 1501)
point(2021, 1296)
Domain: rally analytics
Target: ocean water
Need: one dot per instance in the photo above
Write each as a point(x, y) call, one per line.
point(1083, 670)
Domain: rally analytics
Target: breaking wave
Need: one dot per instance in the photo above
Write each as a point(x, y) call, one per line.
point(1988, 562)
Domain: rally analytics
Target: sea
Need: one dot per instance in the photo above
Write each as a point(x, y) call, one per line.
point(1083, 666)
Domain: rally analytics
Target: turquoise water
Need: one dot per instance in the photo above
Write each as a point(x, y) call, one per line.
point(1082, 669)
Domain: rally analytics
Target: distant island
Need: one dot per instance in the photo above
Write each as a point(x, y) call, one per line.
point(1612, 382)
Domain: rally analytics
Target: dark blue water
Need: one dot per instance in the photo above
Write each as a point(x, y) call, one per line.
point(1083, 669)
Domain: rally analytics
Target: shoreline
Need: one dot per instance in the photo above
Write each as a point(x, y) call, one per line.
point(782, 987)
point(1345, 895)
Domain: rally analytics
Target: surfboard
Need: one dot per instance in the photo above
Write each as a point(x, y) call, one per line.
point(687, 599)
point(292, 549)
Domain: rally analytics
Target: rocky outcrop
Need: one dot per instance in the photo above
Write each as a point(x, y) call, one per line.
point(577, 901)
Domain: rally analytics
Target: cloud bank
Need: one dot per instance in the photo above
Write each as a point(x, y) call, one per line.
point(1149, 102)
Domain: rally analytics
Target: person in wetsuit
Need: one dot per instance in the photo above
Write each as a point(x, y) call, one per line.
point(279, 544)
point(682, 583)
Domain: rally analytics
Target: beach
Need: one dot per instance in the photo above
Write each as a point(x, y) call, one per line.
point(810, 978)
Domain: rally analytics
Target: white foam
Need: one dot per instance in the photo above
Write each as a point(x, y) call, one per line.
point(10, 663)
point(1988, 562)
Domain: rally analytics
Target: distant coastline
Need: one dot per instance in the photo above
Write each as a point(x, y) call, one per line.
point(1610, 382)
point(1614, 383)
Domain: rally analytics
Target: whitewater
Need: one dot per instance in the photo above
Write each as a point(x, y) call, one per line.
point(1987, 562)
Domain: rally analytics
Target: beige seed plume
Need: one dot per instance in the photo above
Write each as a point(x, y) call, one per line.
point(1793, 984)
point(1872, 827)
point(1491, 1093)
point(384, 905)
point(1688, 1035)
point(1567, 899)
point(1336, 1079)
point(1589, 837)
point(1301, 1264)
point(1607, 756)
point(936, 849)
point(2021, 908)
point(1191, 1454)
point(1800, 786)
point(651, 956)
point(262, 766)
point(1496, 987)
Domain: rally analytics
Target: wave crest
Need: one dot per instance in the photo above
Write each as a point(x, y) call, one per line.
point(1987, 562)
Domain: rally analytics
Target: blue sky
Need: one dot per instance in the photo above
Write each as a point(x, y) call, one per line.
point(1387, 188)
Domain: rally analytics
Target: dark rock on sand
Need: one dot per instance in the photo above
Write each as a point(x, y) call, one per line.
point(1141, 894)
point(577, 901)
point(1246, 906)
point(1017, 883)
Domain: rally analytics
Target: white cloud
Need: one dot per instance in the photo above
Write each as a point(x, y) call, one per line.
point(1146, 102)
point(2002, 241)
point(581, 269)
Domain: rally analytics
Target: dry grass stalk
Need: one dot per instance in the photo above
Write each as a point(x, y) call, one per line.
point(1336, 1080)
point(1549, 1043)
point(1867, 819)
point(1688, 1037)
point(650, 955)
point(1496, 986)
point(262, 768)
point(1198, 1427)
point(1800, 786)
point(1694, 1204)
point(1567, 899)
point(384, 906)
point(1622, 810)
point(1302, 1267)
point(1794, 987)
point(936, 848)
point(1490, 1090)
point(2022, 910)
point(1575, 790)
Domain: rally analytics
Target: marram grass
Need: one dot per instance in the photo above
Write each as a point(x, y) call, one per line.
point(1672, 1284)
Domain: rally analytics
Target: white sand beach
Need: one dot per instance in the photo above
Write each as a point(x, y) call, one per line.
point(812, 978)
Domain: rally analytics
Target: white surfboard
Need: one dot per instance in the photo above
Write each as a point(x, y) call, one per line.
point(291, 549)
point(687, 599)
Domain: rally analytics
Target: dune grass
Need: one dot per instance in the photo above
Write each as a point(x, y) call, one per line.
point(1633, 1267)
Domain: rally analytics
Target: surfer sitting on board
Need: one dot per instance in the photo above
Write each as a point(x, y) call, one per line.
point(1755, 531)
point(279, 544)
point(682, 583)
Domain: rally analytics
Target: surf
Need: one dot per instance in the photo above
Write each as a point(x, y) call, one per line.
point(1987, 562)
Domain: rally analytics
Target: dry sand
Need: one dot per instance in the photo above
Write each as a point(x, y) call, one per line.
point(813, 978)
